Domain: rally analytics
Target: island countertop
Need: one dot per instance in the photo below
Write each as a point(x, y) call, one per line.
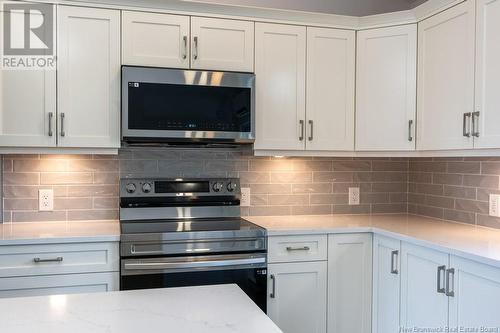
point(472, 242)
point(204, 309)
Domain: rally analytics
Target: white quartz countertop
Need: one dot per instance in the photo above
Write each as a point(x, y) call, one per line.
point(59, 232)
point(206, 309)
point(472, 242)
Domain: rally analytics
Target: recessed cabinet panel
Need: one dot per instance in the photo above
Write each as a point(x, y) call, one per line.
point(487, 129)
point(297, 296)
point(157, 40)
point(88, 77)
point(27, 105)
point(422, 274)
point(386, 88)
point(219, 44)
point(446, 79)
point(330, 89)
point(280, 68)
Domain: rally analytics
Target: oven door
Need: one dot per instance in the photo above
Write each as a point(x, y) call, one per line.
point(161, 104)
point(248, 271)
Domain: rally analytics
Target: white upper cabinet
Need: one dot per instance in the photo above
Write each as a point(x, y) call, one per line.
point(446, 79)
point(487, 120)
point(330, 89)
point(280, 68)
point(156, 40)
point(88, 77)
point(27, 106)
point(386, 88)
point(226, 45)
point(423, 299)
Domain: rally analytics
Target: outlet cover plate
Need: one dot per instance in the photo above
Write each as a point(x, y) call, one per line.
point(495, 205)
point(353, 195)
point(45, 200)
point(245, 197)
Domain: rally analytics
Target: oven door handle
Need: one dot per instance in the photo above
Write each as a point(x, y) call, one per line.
point(192, 264)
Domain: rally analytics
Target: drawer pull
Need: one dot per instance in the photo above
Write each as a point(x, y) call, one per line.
point(39, 260)
point(304, 248)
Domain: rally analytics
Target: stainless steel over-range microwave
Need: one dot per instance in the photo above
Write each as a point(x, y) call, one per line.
point(169, 105)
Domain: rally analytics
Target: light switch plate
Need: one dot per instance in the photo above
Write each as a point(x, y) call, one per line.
point(353, 195)
point(245, 197)
point(495, 205)
point(46, 200)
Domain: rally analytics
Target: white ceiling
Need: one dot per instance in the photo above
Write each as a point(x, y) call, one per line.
point(340, 7)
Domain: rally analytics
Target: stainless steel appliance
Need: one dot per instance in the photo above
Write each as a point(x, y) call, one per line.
point(162, 105)
point(187, 232)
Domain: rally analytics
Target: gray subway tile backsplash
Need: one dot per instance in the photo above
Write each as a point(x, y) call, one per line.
point(86, 186)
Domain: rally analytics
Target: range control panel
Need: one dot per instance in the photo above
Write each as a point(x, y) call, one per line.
point(148, 187)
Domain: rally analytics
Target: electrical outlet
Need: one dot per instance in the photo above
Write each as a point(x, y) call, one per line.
point(353, 195)
point(45, 200)
point(245, 197)
point(495, 205)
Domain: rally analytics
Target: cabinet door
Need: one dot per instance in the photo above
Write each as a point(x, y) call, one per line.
point(27, 105)
point(421, 303)
point(88, 77)
point(280, 68)
point(477, 291)
point(297, 296)
point(58, 284)
point(488, 74)
point(330, 89)
point(157, 40)
point(446, 78)
point(349, 283)
point(386, 284)
point(386, 88)
point(225, 45)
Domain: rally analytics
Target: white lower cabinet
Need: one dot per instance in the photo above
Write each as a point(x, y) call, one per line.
point(349, 283)
point(386, 284)
point(49, 269)
point(58, 284)
point(476, 295)
point(297, 296)
point(423, 299)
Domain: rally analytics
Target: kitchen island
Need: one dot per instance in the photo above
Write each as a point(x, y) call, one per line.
point(205, 309)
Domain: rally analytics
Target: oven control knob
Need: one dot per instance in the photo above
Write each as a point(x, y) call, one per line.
point(146, 187)
point(217, 187)
point(130, 188)
point(231, 187)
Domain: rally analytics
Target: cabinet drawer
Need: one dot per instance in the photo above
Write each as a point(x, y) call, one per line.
point(297, 248)
point(58, 284)
point(48, 259)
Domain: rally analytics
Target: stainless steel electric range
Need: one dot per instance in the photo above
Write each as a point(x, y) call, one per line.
point(187, 232)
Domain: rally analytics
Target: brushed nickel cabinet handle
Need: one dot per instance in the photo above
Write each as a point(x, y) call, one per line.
point(450, 276)
point(273, 289)
point(304, 248)
point(63, 133)
point(440, 270)
point(39, 260)
point(312, 128)
point(185, 40)
point(301, 137)
point(475, 124)
point(465, 125)
point(394, 262)
point(195, 53)
point(51, 116)
point(410, 125)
